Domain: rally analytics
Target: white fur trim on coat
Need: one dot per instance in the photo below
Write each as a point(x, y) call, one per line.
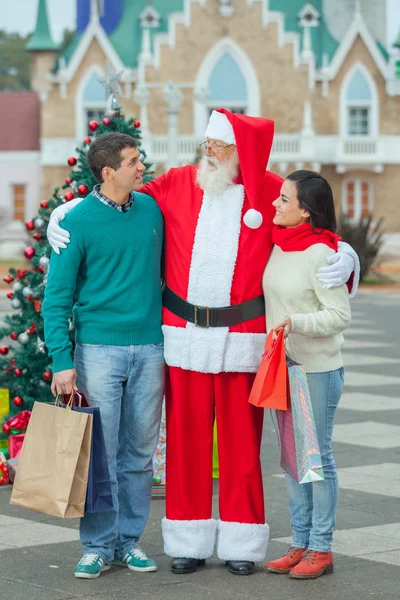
point(242, 541)
point(219, 128)
point(345, 248)
point(213, 350)
point(211, 272)
point(215, 248)
point(189, 539)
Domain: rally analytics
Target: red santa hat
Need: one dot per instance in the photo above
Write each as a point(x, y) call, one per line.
point(253, 137)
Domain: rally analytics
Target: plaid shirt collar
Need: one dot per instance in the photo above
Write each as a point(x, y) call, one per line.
point(122, 208)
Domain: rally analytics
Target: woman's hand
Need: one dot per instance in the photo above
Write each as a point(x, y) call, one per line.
point(285, 324)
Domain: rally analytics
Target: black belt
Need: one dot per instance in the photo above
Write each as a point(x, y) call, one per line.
point(203, 316)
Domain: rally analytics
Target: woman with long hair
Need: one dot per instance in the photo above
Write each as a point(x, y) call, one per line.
point(314, 318)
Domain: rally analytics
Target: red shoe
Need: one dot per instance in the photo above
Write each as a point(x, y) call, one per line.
point(287, 561)
point(313, 565)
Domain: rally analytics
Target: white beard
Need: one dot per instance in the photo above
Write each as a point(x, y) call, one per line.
point(215, 180)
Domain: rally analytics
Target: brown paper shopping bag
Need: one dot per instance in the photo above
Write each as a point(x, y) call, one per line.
point(53, 466)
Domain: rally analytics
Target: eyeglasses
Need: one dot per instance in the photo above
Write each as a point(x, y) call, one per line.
point(213, 146)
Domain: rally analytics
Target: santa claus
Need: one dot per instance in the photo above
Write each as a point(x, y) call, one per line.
point(218, 234)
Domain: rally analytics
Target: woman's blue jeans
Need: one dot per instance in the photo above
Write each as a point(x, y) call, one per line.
point(313, 505)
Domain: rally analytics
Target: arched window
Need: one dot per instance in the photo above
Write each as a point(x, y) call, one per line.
point(226, 79)
point(93, 100)
point(357, 198)
point(359, 104)
point(227, 86)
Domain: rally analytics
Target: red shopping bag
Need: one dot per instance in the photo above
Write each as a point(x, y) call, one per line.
point(270, 385)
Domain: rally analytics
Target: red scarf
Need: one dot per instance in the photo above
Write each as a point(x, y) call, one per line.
point(296, 239)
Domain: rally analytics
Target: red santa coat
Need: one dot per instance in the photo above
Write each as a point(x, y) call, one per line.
point(213, 259)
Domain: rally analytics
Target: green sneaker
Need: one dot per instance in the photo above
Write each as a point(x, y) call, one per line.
point(136, 560)
point(90, 566)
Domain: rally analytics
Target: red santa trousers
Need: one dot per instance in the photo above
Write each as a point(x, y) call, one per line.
point(192, 401)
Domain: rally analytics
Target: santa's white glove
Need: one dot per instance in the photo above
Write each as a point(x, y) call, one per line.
point(341, 266)
point(58, 237)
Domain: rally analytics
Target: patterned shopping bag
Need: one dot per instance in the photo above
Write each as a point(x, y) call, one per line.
point(297, 435)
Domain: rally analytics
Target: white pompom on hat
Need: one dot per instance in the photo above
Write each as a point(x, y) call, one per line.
point(253, 218)
point(219, 128)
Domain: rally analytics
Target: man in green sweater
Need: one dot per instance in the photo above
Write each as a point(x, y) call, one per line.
point(112, 269)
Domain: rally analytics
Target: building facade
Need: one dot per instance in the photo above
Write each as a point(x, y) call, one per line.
point(319, 69)
point(20, 170)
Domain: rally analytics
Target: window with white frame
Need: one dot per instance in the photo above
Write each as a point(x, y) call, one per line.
point(227, 86)
point(357, 198)
point(359, 104)
point(94, 102)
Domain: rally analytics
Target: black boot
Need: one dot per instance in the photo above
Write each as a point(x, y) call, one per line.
point(241, 567)
point(184, 566)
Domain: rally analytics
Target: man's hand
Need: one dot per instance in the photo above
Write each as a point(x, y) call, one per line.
point(64, 382)
point(285, 324)
point(341, 266)
point(58, 237)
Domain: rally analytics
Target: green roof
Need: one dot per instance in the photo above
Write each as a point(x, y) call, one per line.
point(321, 39)
point(127, 37)
point(41, 37)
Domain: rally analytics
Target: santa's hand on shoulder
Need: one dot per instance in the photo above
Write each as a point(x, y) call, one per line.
point(56, 235)
point(341, 267)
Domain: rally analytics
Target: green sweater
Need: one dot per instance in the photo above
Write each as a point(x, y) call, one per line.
point(112, 268)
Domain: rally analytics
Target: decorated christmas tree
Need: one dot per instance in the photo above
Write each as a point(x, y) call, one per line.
point(25, 367)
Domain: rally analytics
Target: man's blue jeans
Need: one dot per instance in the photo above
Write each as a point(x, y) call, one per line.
point(127, 383)
point(313, 505)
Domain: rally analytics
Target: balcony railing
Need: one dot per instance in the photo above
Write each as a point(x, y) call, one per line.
point(359, 146)
point(285, 147)
point(365, 152)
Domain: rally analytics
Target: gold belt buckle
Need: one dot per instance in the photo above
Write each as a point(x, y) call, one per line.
point(207, 325)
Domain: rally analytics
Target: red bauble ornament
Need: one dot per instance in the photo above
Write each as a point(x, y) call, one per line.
point(6, 428)
point(46, 375)
point(17, 372)
point(68, 181)
point(37, 236)
point(18, 401)
point(44, 204)
point(87, 140)
point(106, 121)
point(82, 189)
point(40, 269)
point(8, 278)
point(69, 196)
point(29, 253)
point(137, 123)
point(13, 335)
point(30, 225)
point(93, 125)
point(72, 161)
point(4, 350)
point(10, 295)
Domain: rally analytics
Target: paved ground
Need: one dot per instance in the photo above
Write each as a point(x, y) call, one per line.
point(38, 553)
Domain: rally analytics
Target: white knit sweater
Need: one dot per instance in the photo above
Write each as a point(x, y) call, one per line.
point(318, 316)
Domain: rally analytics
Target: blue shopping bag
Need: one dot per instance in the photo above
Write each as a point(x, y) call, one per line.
point(99, 497)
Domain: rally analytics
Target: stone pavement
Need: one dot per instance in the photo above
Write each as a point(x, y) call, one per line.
point(38, 553)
